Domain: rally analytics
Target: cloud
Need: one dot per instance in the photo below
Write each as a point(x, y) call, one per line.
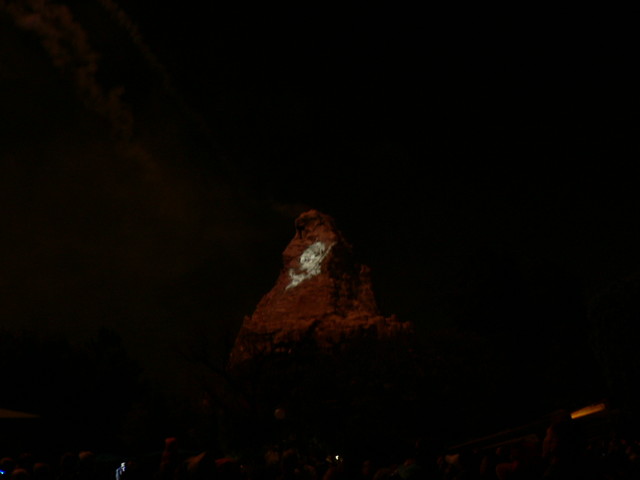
point(107, 218)
point(66, 42)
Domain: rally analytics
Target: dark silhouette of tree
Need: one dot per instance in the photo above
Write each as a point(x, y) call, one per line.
point(82, 393)
point(615, 323)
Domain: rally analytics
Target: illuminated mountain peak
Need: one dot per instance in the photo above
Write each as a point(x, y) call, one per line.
point(321, 295)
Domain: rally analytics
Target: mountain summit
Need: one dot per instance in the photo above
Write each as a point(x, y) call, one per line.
point(321, 296)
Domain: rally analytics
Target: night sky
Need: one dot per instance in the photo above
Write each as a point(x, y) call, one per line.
point(482, 163)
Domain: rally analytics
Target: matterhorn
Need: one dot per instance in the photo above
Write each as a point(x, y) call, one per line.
point(317, 359)
point(321, 299)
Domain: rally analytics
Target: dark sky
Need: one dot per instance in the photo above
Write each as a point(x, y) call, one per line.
point(153, 160)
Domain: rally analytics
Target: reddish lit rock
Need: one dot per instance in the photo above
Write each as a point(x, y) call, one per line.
point(321, 297)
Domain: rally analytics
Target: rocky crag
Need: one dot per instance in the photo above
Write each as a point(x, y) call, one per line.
point(321, 298)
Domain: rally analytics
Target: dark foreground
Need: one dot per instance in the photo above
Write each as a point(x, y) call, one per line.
point(565, 449)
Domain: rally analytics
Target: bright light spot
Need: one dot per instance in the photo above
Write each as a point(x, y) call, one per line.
point(591, 409)
point(310, 262)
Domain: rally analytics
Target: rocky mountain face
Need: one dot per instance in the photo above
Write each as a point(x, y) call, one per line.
point(321, 298)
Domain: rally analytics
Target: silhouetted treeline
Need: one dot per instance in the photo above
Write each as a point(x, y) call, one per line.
point(76, 390)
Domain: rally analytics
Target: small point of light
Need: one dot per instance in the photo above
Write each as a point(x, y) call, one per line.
point(588, 410)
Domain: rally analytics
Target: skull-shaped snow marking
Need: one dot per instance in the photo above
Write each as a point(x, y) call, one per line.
point(310, 262)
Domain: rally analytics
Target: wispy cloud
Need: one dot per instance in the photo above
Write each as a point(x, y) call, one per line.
point(66, 42)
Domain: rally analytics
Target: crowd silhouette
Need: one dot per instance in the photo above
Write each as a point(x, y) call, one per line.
point(564, 451)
